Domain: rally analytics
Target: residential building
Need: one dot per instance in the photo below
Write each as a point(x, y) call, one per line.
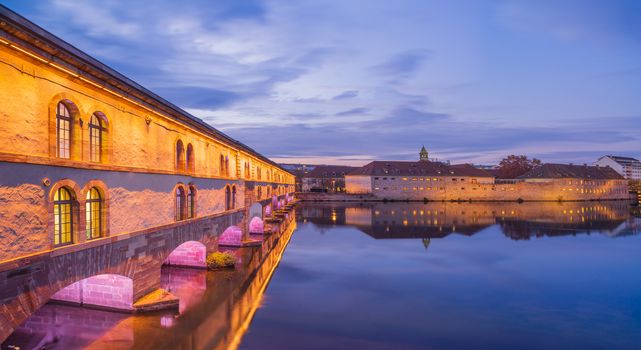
point(628, 167)
point(326, 178)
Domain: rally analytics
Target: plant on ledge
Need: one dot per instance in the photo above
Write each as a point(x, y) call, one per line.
point(220, 260)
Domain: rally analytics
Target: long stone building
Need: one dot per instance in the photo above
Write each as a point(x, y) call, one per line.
point(431, 180)
point(99, 175)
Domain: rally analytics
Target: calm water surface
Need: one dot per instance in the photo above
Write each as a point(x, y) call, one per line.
point(456, 276)
point(395, 276)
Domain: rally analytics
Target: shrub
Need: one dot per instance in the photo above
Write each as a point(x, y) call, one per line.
point(219, 260)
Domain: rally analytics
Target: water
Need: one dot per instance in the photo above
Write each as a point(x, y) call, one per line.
point(471, 276)
point(396, 276)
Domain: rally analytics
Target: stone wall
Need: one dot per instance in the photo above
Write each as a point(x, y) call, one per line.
point(135, 201)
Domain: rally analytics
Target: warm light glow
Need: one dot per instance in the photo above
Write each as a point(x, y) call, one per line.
point(28, 53)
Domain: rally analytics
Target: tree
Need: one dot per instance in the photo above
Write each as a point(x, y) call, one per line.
point(514, 166)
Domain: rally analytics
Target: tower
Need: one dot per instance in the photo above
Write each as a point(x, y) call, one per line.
point(423, 155)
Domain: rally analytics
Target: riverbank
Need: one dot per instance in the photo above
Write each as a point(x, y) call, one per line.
point(347, 197)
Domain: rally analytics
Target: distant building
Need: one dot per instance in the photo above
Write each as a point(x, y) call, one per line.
point(326, 178)
point(430, 180)
point(628, 167)
point(299, 170)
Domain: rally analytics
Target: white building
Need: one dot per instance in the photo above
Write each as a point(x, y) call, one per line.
point(628, 167)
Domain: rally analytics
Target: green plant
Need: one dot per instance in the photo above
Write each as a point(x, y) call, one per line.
point(219, 260)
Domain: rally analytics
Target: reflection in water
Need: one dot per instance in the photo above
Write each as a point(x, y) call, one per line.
point(487, 282)
point(516, 220)
point(214, 311)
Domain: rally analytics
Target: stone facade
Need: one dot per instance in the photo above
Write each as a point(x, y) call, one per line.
point(449, 183)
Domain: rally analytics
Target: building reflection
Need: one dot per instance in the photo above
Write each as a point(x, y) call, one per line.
point(517, 221)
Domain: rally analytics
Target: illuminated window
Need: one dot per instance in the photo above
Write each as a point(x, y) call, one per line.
point(63, 131)
point(96, 129)
point(93, 214)
point(62, 217)
point(191, 201)
point(180, 204)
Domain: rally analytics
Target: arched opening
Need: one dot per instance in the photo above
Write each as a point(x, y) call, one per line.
point(227, 198)
point(191, 162)
point(233, 197)
point(227, 166)
point(222, 165)
point(268, 210)
point(256, 225)
point(188, 254)
point(63, 209)
point(259, 192)
point(231, 237)
point(180, 203)
point(191, 202)
point(180, 156)
point(93, 214)
point(97, 132)
point(107, 291)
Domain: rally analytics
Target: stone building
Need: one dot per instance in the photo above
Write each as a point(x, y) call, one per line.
point(100, 176)
point(628, 167)
point(326, 178)
point(430, 180)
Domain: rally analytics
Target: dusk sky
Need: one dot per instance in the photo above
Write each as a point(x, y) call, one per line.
point(346, 82)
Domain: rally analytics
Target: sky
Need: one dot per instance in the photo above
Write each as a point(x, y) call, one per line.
point(350, 81)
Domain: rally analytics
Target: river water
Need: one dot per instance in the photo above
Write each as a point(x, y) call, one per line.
point(396, 276)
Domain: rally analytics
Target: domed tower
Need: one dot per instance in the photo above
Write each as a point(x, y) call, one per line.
point(423, 155)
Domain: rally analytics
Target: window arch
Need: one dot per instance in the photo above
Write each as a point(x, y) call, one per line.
point(63, 203)
point(191, 162)
point(222, 165)
point(97, 128)
point(227, 198)
point(260, 192)
point(93, 213)
point(64, 124)
point(180, 203)
point(191, 202)
point(233, 197)
point(227, 166)
point(247, 170)
point(180, 155)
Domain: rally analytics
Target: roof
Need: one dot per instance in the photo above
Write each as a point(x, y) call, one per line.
point(418, 168)
point(623, 160)
point(27, 34)
point(558, 171)
point(329, 171)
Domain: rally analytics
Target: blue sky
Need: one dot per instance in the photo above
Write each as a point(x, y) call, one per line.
point(347, 82)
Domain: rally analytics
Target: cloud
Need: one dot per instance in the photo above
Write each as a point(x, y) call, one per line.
point(402, 65)
point(349, 80)
point(354, 111)
point(345, 95)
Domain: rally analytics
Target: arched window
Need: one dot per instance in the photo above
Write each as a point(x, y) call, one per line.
point(260, 192)
point(227, 198)
point(191, 164)
point(258, 173)
point(233, 197)
point(247, 170)
point(191, 201)
point(180, 203)
point(180, 155)
point(96, 129)
point(63, 131)
point(222, 165)
point(93, 214)
point(227, 166)
point(62, 217)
